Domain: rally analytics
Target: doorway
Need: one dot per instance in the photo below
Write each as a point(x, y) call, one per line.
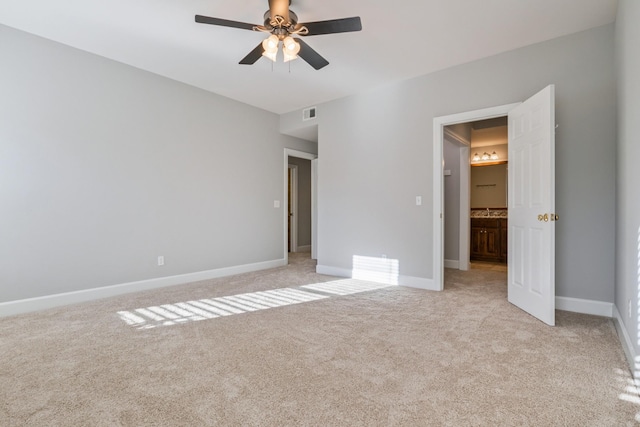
point(439, 125)
point(299, 215)
point(475, 159)
point(531, 184)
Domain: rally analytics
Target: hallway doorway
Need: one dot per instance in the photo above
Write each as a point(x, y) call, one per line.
point(299, 215)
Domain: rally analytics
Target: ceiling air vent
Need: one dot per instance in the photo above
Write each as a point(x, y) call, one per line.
point(309, 113)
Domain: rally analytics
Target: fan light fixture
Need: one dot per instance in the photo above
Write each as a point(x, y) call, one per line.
point(270, 46)
point(290, 48)
point(280, 22)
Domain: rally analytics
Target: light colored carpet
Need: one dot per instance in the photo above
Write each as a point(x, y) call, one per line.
point(390, 356)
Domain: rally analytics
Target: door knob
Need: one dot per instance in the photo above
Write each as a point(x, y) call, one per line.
point(547, 217)
point(544, 217)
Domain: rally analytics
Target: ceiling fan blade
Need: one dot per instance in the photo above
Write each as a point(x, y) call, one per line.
point(344, 25)
point(253, 56)
point(312, 57)
point(224, 22)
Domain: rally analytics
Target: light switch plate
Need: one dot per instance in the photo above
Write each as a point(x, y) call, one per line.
point(276, 203)
point(418, 200)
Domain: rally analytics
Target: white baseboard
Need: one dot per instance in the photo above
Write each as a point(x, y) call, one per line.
point(452, 263)
point(605, 309)
point(333, 271)
point(627, 343)
point(417, 282)
point(577, 305)
point(585, 306)
point(11, 308)
point(408, 281)
point(304, 248)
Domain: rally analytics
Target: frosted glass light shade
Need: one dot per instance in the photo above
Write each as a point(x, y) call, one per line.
point(290, 49)
point(270, 46)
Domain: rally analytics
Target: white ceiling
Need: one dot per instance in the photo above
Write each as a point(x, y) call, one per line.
point(399, 40)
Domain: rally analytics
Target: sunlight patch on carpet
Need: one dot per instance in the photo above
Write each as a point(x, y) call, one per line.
point(630, 388)
point(346, 286)
point(212, 308)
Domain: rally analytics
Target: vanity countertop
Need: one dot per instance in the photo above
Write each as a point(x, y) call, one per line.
point(489, 213)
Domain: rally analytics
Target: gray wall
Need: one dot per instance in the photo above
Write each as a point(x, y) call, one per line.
point(375, 156)
point(628, 175)
point(104, 167)
point(451, 155)
point(304, 200)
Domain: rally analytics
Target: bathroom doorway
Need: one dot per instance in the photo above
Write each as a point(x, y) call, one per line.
point(475, 194)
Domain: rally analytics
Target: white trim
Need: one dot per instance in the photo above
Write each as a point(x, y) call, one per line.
point(11, 308)
point(314, 209)
point(452, 263)
point(605, 309)
point(457, 138)
point(407, 281)
point(464, 242)
point(625, 340)
point(302, 155)
point(585, 306)
point(438, 172)
point(333, 271)
point(293, 218)
point(417, 282)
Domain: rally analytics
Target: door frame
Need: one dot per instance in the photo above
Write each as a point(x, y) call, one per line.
point(464, 223)
point(438, 178)
point(292, 193)
point(314, 185)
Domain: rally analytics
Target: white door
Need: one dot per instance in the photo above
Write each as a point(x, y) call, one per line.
point(531, 259)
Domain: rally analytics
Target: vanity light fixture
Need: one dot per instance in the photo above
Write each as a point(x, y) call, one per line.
point(485, 157)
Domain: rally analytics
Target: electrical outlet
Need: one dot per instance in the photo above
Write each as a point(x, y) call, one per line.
point(160, 260)
point(384, 256)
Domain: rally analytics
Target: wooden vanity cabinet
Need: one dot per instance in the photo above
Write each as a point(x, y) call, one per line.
point(504, 226)
point(489, 239)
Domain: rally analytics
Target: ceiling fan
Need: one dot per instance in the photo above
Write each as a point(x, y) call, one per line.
point(282, 24)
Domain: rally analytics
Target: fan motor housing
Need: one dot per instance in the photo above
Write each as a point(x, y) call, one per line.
point(293, 20)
